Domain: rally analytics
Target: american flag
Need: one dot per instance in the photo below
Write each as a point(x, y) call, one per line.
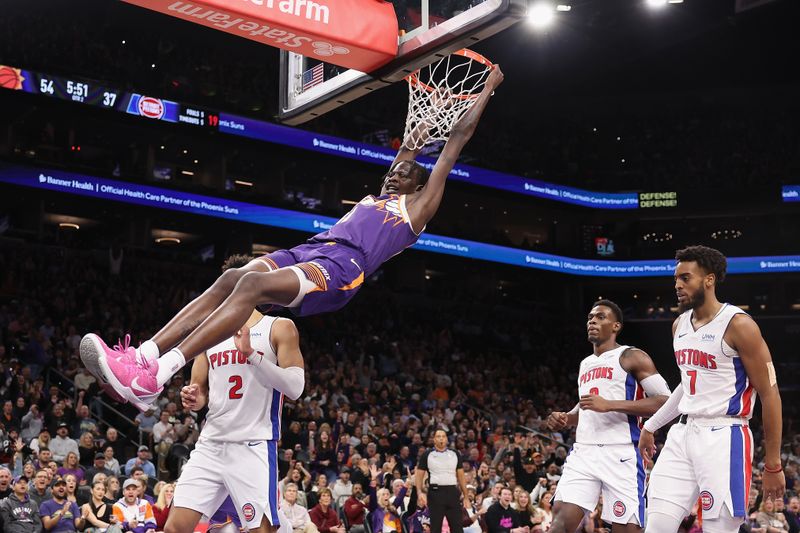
point(313, 76)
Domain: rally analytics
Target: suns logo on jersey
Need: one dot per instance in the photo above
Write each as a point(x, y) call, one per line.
point(390, 207)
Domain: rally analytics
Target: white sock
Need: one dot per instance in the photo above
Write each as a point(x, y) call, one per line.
point(149, 350)
point(168, 364)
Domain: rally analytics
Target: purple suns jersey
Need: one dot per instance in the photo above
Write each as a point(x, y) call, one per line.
point(378, 227)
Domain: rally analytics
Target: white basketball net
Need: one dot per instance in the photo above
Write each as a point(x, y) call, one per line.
point(440, 94)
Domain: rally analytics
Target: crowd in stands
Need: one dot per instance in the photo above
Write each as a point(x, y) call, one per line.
point(385, 373)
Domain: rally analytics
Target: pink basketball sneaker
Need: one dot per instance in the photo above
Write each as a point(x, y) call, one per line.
point(91, 348)
point(130, 376)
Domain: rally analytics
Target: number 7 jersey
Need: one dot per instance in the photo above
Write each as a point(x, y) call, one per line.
point(713, 377)
point(240, 408)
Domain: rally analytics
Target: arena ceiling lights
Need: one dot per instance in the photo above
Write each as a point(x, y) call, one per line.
point(542, 14)
point(658, 4)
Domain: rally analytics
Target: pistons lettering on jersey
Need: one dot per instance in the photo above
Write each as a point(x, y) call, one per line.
point(227, 357)
point(605, 372)
point(689, 356)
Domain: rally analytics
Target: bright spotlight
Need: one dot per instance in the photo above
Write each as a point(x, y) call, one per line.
point(541, 15)
point(656, 3)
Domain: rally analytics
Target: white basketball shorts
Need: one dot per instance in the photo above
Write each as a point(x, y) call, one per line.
point(614, 470)
point(709, 458)
point(248, 471)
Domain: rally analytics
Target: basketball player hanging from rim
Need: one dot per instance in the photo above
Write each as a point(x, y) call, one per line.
point(724, 362)
point(317, 277)
point(617, 385)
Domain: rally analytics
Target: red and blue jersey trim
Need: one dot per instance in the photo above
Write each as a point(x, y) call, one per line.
point(741, 403)
point(741, 468)
point(634, 391)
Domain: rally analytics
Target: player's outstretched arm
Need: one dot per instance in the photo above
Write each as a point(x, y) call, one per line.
point(288, 376)
point(424, 204)
point(745, 337)
point(194, 396)
point(637, 363)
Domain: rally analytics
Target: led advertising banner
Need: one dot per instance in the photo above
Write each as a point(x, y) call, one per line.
point(305, 140)
point(92, 93)
point(160, 198)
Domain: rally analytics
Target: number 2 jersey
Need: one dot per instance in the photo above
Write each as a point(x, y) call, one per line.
point(713, 377)
point(603, 375)
point(240, 408)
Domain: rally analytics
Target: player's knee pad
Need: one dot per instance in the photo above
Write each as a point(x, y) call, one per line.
point(306, 286)
point(724, 523)
point(663, 516)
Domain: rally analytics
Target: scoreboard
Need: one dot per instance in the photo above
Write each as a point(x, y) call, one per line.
point(95, 94)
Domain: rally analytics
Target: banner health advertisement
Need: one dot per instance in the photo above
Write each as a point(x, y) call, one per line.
point(146, 195)
point(265, 131)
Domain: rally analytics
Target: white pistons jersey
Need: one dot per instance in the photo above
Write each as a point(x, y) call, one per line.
point(604, 376)
point(240, 408)
point(713, 378)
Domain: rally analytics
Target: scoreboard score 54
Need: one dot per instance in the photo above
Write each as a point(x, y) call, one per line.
point(76, 91)
point(95, 94)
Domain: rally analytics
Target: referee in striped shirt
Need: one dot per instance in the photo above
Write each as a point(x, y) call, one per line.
point(446, 481)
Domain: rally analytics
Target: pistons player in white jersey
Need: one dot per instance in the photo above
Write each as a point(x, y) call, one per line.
point(243, 380)
point(617, 385)
point(724, 362)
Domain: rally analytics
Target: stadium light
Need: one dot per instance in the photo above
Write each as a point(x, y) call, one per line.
point(541, 15)
point(656, 3)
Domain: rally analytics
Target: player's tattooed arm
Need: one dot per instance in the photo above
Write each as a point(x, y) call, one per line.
point(637, 363)
point(194, 396)
point(745, 337)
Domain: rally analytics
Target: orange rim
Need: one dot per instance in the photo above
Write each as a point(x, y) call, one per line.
point(413, 78)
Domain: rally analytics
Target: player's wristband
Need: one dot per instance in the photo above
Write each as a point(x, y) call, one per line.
point(775, 470)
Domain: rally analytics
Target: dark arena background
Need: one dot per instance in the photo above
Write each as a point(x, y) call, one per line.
point(139, 151)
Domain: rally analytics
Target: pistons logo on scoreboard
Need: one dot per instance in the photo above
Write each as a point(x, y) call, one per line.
point(706, 500)
point(248, 511)
point(619, 509)
point(151, 107)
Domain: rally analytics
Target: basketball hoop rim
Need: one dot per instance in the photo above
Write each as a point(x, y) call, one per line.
point(413, 78)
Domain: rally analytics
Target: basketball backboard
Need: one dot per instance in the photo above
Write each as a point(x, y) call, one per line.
point(430, 30)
